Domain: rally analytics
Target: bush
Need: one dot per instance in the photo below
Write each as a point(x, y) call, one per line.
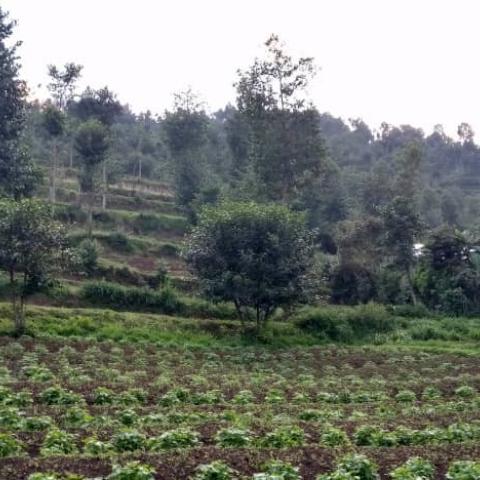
point(346, 323)
point(146, 223)
point(414, 468)
point(136, 299)
point(405, 396)
point(284, 437)
point(233, 437)
point(464, 470)
point(276, 470)
point(132, 471)
point(411, 311)
point(58, 442)
point(214, 471)
point(88, 256)
point(353, 467)
point(325, 323)
point(180, 438)
point(333, 437)
point(58, 396)
point(119, 242)
point(129, 441)
point(9, 445)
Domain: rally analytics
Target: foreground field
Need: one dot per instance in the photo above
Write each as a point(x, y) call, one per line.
point(79, 406)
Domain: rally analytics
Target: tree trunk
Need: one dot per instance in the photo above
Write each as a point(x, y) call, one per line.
point(53, 175)
point(71, 155)
point(411, 287)
point(104, 188)
point(90, 200)
point(19, 316)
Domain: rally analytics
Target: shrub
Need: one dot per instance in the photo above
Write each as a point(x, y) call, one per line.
point(36, 424)
point(414, 468)
point(9, 445)
point(344, 324)
point(277, 470)
point(88, 256)
point(325, 323)
point(119, 242)
point(365, 435)
point(103, 396)
point(133, 298)
point(58, 396)
point(284, 437)
point(217, 470)
point(243, 397)
point(405, 396)
point(233, 437)
point(93, 446)
point(353, 467)
point(132, 471)
point(333, 437)
point(465, 391)
point(129, 441)
point(464, 470)
point(179, 438)
point(58, 442)
point(77, 417)
point(411, 311)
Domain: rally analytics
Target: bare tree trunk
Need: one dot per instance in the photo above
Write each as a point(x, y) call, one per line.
point(71, 154)
point(104, 187)
point(411, 287)
point(18, 305)
point(53, 175)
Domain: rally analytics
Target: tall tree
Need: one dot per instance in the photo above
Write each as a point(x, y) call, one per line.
point(62, 87)
point(18, 176)
point(186, 131)
point(402, 230)
point(101, 105)
point(63, 83)
point(33, 247)
point(286, 146)
point(91, 143)
point(54, 123)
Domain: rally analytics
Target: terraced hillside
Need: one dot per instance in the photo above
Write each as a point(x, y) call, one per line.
point(139, 231)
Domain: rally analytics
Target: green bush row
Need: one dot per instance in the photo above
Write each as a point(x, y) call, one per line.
point(344, 324)
point(166, 301)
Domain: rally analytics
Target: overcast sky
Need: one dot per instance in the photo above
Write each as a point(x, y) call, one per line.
point(400, 61)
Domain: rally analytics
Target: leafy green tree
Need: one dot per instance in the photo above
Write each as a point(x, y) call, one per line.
point(186, 131)
point(448, 278)
point(62, 87)
point(100, 105)
point(54, 124)
point(63, 83)
point(402, 229)
point(91, 143)
point(18, 177)
point(32, 248)
point(285, 145)
point(257, 256)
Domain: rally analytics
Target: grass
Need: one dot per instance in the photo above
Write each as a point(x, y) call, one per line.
point(125, 327)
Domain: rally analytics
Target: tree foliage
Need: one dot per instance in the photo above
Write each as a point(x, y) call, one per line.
point(33, 247)
point(257, 256)
point(18, 177)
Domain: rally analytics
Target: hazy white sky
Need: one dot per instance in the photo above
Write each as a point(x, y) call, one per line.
point(402, 61)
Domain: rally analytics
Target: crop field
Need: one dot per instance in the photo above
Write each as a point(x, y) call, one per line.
point(76, 409)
